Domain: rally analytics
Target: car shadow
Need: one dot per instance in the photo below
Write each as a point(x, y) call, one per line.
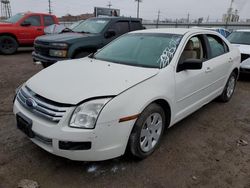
point(244, 77)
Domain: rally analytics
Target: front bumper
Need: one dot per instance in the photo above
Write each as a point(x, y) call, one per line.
point(45, 59)
point(106, 141)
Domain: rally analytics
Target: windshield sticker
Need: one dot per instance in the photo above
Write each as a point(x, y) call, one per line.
point(101, 21)
point(169, 51)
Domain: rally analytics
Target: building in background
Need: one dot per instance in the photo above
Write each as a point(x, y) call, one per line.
point(232, 14)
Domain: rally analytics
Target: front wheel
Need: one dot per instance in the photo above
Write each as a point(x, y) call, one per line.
point(229, 88)
point(8, 45)
point(147, 131)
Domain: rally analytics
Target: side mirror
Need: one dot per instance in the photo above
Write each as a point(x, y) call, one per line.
point(26, 24)
point(190, 64)
point(110, 33)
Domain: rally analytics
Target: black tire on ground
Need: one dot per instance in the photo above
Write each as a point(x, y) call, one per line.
point(147, 132)
point(8, 45)
point(229, 88)
point(45, 64)
point(81, 54)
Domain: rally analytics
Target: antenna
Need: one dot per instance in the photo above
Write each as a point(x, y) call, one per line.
point(5, 9)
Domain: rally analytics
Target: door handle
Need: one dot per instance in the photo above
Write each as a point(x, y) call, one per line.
point(39, 29)
point(208, 69)
point(230, 60)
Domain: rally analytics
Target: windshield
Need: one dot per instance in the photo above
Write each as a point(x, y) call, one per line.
point(141, 49)
point(239, 37)
point(75, 24)
point(91, 26)
point(15, 18)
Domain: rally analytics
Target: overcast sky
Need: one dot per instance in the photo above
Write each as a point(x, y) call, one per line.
point(148, 8)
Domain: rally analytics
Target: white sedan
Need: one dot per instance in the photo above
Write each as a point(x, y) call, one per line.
point(241, 40)
point(125, 95)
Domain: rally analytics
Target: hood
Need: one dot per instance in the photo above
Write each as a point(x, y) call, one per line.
point(244, 49)
point(245, 64)
point(63, 37)
point(73, 81)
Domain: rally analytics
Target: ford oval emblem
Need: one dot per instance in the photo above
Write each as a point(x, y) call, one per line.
point(31, 103)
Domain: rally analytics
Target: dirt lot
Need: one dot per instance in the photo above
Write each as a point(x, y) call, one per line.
point(200, 151)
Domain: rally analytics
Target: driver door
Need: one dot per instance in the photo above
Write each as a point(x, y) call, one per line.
point(30, 28)
point(191, 85)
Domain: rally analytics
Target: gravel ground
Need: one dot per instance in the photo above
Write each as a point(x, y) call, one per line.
point(210, 148)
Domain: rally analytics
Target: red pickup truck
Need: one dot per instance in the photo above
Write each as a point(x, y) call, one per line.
point(22, 29)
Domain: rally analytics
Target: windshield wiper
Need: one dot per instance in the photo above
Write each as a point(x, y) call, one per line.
point(67, 30)
point(84, 32)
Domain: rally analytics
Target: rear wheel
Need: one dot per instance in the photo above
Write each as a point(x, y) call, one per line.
point(229, 88)
point(8, 45)
point(147, 132)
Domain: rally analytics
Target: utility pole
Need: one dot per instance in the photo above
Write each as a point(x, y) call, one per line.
point(138, 7)
point(50, 11)
point(109, 4)
point(158, 18)
point(188, 19)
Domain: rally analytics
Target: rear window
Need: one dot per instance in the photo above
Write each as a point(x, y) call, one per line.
point(135, 25)
point(218, 47)
point(48, 20)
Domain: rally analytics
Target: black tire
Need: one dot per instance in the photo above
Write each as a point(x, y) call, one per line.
point(81, 54)
point(137, 140)
point(45, 64)
point(8, 45)
point(229, 88)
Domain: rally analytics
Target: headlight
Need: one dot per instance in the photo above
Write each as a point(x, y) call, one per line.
point(86, 114)
point(63, 45)
point(18, 88)
point(58, 53)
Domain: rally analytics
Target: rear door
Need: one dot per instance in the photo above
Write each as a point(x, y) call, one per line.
point(218, 64)
point(28, 33)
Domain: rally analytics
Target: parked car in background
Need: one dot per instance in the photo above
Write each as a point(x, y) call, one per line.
point(83, 39)
point(241, 39)
point(245, 66)
point(22, 29)
point(124, 96)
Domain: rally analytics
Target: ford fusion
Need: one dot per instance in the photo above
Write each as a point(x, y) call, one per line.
point(123, 97)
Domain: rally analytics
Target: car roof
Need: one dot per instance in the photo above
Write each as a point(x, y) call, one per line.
point(178, 31)
point(116, 18)
point(36, 13)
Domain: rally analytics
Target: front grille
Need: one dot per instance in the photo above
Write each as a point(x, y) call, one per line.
point(244, 57)
point(42, 48)
point(40, 106)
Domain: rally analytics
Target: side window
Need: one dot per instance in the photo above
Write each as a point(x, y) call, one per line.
point(217, 46)
point(34, 20)
point(120, 27)
point(48, 20)
point(194, 49)
point(135, 25)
